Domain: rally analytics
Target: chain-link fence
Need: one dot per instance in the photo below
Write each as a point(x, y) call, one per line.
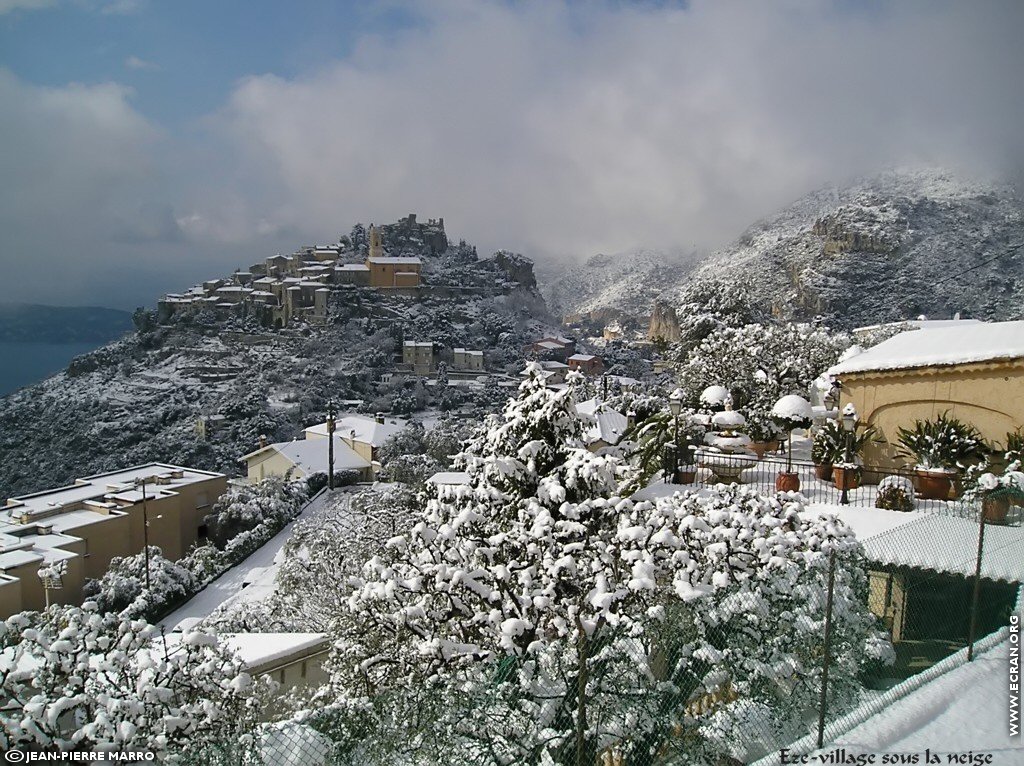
point(731, 685)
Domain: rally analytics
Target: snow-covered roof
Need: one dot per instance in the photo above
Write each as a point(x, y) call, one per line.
point(949, 544)
point(352, 267)
point(97, 487)
point(550, 344)
point(396, 260)
point(368, 430)
point(608, 426)
point(260, 652)
point(311, 455)
point(582, 357)
point(940, 346)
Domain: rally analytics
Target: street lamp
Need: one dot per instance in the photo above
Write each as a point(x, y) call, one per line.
point(330, 444)
point(141, 482)
point(675, 406)
point(849, 420)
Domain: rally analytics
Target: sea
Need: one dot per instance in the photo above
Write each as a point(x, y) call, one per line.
point(22, 364)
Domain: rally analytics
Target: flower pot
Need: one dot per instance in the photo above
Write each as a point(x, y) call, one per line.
point(933, 485)
point(686, 475)
point(846, 478)
point(787, 482)
point(823, 471)
point(995, 509)
point(763, 448)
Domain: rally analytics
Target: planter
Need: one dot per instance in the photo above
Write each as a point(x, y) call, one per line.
point(726, 467)
point(846, 478)
point(787, 482)
point(686, 475)
point(823, 471)
point(995, 509)
point(763, 448)
point(933, 485)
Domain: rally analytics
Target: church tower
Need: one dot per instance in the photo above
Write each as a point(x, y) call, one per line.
point(376, 250)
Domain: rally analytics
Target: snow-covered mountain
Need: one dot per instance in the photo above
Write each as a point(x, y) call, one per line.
point(625, 283)
point(894, 246)
point(889, 247)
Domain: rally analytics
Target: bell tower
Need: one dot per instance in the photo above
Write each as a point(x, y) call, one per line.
point(376, 250)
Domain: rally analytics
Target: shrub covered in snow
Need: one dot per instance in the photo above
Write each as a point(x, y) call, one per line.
point(758, 364)
point(73, 678)
point(536, 616)
point(895, 493)
point(274, 501)
point(123, 587)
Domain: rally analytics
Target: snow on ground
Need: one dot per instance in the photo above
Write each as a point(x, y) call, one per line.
point(248, 581)
point(965, 709)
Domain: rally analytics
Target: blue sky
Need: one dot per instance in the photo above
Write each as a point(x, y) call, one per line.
point(182, 57)
point(148, 145)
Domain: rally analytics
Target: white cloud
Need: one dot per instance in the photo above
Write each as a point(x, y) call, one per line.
point(559, 129)
point(6, 6)
point(134, 62)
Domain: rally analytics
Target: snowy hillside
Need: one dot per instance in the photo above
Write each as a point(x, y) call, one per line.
point(898, 245)
point(625, 283)
point(142, 398)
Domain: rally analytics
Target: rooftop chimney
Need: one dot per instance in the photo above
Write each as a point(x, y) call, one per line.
point(379, 417)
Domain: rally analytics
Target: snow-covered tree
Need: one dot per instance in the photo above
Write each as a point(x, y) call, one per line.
point(123, 587)
point(759, 364)
point(535, 616)
point(274, 501)
point(74, 678)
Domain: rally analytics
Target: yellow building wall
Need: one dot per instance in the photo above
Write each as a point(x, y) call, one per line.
point(272, 463)
point(10, 596)
point(990, 397)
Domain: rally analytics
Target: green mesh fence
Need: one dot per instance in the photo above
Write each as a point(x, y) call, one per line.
point(938, 587)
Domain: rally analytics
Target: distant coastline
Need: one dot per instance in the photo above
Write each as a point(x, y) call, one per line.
point(25, 364)
point(37, 341)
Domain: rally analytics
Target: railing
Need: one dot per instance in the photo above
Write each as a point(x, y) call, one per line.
point(821, 485)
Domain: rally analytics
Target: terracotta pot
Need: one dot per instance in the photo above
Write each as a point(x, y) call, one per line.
point(934, 486)
point(823, 471)
point(848, 478)
point(686, 476)
point(762, 448)
point(787, 482)
point(995, 509)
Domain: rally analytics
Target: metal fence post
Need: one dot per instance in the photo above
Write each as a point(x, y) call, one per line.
point(977, 586)
point(827, 659)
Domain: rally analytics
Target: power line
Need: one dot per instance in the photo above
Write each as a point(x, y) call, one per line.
point(1010, 251)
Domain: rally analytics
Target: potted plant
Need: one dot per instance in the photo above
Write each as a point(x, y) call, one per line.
point(998, 492)
point(789, 413)
point(847, 474)
point(764, 434)
point(827, 448)
point(941, 448)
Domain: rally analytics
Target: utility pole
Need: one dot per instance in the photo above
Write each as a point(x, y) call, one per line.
point(330, 444)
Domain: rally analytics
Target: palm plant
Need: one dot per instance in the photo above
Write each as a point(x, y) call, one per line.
point(945, 443)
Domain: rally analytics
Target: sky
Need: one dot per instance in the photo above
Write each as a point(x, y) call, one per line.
point(147, 145)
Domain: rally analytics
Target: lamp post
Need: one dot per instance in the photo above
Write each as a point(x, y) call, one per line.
point(330, 444)
point(849, 420)
point(675, 406)
point(141, 482)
